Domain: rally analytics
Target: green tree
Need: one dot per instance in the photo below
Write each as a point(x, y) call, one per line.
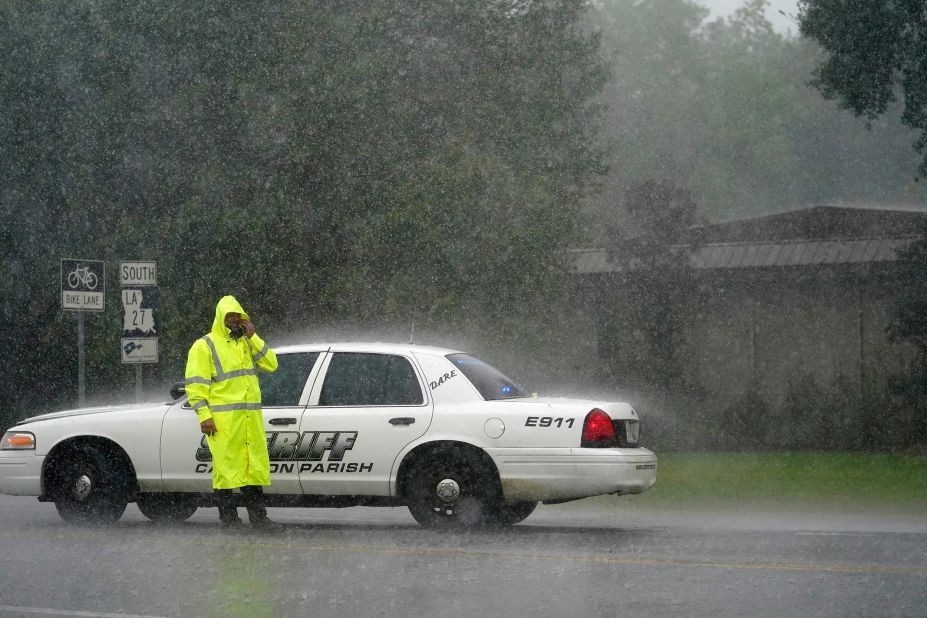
point(652, 252)
point(284, 153)
point(875, 50)
point(724, 109)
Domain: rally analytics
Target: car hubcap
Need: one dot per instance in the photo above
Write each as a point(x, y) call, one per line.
point(448, 491)
point(82, 487)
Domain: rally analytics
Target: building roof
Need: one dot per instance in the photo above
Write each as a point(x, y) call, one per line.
point(805, 237)
point(818, 223)
point(798, 253)
point(762, 254)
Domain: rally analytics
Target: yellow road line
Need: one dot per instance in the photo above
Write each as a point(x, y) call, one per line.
point(50, 611)
point(265, 543)
point(597, 559)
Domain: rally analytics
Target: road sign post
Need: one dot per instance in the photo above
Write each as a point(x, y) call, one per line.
point(83, 288)
point(81, 364)
point(140, 299)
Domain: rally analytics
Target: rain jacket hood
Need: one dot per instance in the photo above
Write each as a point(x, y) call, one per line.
point(226, 305)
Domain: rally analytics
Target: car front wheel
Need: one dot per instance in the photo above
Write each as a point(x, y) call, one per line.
point(166, 508)
point(90, 487)
point(452, 494)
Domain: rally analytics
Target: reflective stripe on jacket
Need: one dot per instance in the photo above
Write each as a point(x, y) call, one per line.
point(222, 384)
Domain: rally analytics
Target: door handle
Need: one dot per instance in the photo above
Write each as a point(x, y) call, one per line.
point(282, 421)
point(401, 420)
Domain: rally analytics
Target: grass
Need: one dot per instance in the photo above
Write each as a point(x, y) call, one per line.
point(896, 479)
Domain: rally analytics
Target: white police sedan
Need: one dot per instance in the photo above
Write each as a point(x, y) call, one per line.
point(434, 429)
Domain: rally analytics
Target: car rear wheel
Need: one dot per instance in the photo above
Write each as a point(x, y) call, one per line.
point(90, 487)
point(452, 494)
point(508, 514)
point(166, 508)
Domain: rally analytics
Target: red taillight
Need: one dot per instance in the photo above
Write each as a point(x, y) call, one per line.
point(598, 429)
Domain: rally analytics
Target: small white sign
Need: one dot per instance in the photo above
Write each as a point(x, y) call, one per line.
point(82, 301)
point(138, 273)
point(137, 312)
point(138, 350)
point(82, 285)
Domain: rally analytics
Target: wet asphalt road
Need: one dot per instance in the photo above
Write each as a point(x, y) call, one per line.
point(578, 559)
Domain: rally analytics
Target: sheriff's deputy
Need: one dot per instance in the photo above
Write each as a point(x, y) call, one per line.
point(222, 386)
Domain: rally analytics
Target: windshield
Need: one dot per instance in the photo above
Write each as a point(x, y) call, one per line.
point(488, 380)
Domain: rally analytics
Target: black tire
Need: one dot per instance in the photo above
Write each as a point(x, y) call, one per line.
point(90, 486)
point(508, 514)
point(447, 474)
point(166, 508)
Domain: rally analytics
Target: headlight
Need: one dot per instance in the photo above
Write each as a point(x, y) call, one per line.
point(17, 441)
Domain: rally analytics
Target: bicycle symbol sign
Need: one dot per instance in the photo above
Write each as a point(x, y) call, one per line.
point(82, 285)
point(83, 277)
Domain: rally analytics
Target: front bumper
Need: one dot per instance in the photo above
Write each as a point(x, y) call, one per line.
point(21, 473)
point(552, 474)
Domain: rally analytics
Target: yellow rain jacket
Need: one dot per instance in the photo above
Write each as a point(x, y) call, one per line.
point(222, 384)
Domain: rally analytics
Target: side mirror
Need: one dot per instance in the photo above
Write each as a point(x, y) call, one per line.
point(178, 390)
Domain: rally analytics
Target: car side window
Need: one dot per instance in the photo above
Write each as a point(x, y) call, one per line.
point(284, 386)
point(359, 379)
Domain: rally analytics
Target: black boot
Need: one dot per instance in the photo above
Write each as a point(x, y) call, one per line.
point(228, 513)
point(253, 499)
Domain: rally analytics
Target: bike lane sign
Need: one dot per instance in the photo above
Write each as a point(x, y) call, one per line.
point(83, 285)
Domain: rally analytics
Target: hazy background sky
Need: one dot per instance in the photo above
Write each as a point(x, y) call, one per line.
point(782, 23)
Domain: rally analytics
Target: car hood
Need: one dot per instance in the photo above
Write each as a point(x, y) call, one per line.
point(140, 407)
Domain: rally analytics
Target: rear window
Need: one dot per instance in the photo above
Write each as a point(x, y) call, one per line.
point(489, 381)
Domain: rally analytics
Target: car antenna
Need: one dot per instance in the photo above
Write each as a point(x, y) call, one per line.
point(412, 334)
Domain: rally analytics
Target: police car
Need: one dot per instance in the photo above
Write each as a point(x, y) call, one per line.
point(436, 430)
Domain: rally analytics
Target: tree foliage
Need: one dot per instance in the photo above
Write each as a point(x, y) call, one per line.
point(724, 109)
point(875, 51)
point(378, 162)
point(652, 251)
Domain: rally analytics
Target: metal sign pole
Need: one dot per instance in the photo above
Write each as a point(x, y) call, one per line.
point(81, 381)
point(138, 384)
point(83, 288)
